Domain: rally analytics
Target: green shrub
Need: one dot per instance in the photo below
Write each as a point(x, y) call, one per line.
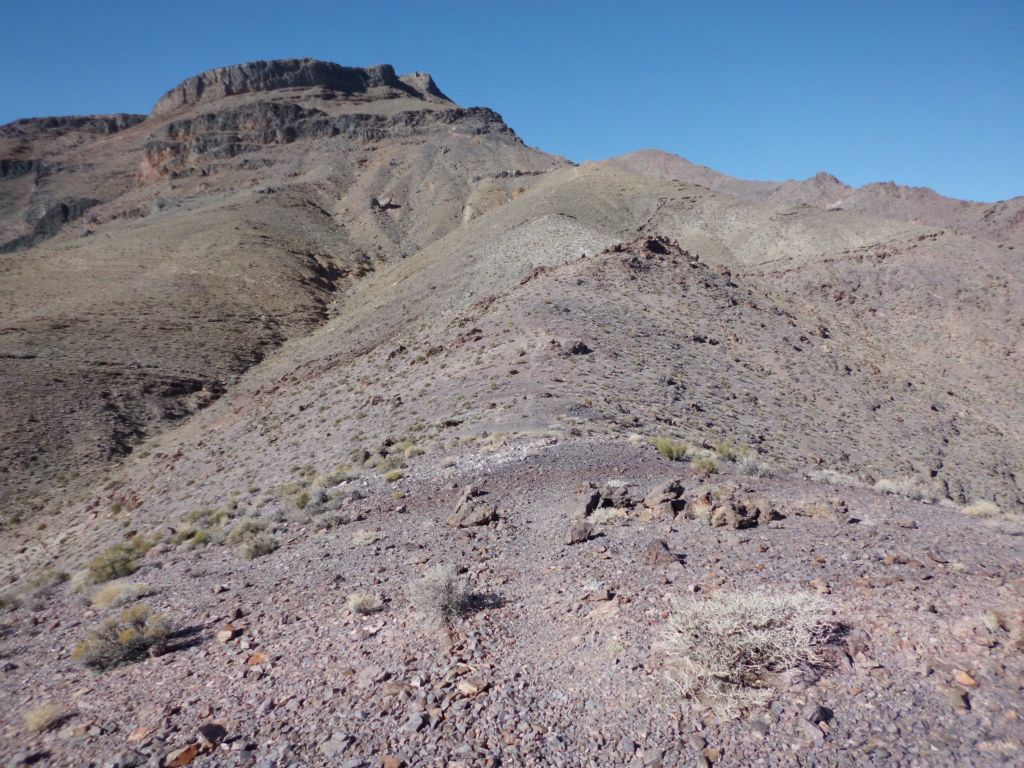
point(119, 560)
point(122, 639)
point(728, 450)
point(675, 450)
point(708, 463)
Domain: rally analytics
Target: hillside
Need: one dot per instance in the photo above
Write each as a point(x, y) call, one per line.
point(1001, 221)
point(305, 332)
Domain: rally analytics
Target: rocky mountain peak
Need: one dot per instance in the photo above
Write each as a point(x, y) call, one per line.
point(257, 76)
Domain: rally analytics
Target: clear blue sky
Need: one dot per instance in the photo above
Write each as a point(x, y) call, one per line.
point(924, 92)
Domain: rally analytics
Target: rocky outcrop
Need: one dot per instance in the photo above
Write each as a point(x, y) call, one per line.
point(234, 131)
point(50, 223)
point(259, 76)
point(99, 125)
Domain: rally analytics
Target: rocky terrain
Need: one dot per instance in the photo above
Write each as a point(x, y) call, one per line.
point(279, 350)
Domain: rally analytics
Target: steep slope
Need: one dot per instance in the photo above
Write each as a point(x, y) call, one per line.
point(1002, 221)
point(218, 227)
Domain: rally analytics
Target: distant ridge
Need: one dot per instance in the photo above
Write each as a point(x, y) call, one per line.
point(1002, 221)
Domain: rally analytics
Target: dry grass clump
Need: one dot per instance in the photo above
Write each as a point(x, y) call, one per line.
point(364, 603)
point(441, 594)
point(983, 508)
point(915, 488)
point(119, 560)
point(721, 651)
point(42, 718)
point(708, 463)
point(114, 594)
point(123, 638)
point(394, 475)
point(674, 450)
point(259, 545)
point(364, 537)
point(834, 477)
point(250, 539)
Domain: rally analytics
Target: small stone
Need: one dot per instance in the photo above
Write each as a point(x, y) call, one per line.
point(334, 745)
point(471, 686)
point(712, 754)
point(227, 633)
point(212, 734)
point(392, 761)
point(257, 659)
point(815, 713)
point(964, 678)
point(140, 734)
point(182, 756)
point(579, 532)
point(416, 721)
point(959, 699)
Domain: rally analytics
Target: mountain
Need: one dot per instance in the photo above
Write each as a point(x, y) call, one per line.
point(310, 354)
point(1002, 221)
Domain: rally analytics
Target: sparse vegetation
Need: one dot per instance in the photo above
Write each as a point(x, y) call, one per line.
point(119, 560)
point(115, 594)
point(985, 510)
point(124, 638)
point(259, 545)
point(674, 450)
point(917, 488)
point(364, 603)
point(365, 537)
point(394, 475)
point(834, 477)
point(42, 718)
point(722, 650)
point(441, 594)
point(708, 463)
point(250, 539)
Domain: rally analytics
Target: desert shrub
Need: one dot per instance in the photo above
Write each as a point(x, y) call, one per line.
point(45, 580)
point(123, 638)
point(834, 477)
point(708, 463)
point(42, 718)
point(722, 650)
point(9, 600)
point(257, 546)
point(119, 560)
point(675, 450)
point(250, 539)
point(364, 603)
point(393, 475)
point(441, 594)
point(916, 488)
point(245, 529)
point(364, 537)
point(986, 510)
point(207, 518)
point(302, 500)
point(114, 594)
point(748, 464)
point(728, 450)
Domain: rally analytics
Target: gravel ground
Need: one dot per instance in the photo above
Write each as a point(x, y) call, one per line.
point(557, 664)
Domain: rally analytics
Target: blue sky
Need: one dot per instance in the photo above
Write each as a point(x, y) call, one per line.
point(928, 93)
